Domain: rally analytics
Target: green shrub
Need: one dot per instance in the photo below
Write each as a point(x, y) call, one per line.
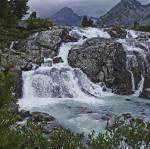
point(127, 132)
point(38, 24)
point(117, 28)
point(143, 28)
point(65, 139)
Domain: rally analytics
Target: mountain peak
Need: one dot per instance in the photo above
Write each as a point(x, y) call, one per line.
point(125, 13)
point(131, 2)
point(66, 16)
point(67, 9)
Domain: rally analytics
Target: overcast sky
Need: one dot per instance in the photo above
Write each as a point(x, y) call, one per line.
point(88, 7)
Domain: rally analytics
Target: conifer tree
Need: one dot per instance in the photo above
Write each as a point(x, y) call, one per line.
point(20, 8)
point(87, 22)
point(3, 7)
point(33, 14)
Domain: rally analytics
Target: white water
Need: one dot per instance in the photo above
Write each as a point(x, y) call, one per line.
point(69, 96)
point(140, 86)
point(133, 82)
point(132, 51)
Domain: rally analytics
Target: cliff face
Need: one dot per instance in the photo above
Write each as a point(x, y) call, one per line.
point(126, 13)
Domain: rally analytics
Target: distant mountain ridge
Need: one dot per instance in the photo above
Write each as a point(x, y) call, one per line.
point(126, 13)
point(66, 17)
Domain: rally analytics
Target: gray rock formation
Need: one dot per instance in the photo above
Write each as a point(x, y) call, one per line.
point(38, 46)
point(126, 13)
point(46, 123)
point(103, 60)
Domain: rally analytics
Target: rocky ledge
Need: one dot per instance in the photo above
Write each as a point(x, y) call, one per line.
point(103, 60)
point(45, 44)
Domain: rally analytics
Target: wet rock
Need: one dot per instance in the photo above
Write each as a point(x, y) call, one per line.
point(38, 46)
point(103, 60)
point(41, 117)
point(105, 118)
point(57, 60)
point(28, 67)
point(24, 114)
point(46, 123)
point(49, 128)
point(117, 33)
point(128, 99)
point(18, 83)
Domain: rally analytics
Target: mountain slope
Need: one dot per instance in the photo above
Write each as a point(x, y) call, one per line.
point(125, 13)
point(66, 17)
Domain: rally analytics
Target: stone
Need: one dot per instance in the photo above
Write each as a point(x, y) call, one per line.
point(18, 82)
point(41, 117)
point(36, 47)
point(24, 114)
point(46, 123)
point(103, 60)
point(57, 60)
point(114, 33)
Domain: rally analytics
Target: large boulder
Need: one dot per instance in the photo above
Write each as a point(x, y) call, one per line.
point(117, 32)
point(46, 123)
point(103, 60)
point(38, 46)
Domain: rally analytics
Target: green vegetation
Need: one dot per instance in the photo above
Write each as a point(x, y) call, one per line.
point(140, 27)
point(12, 135)
point(19, 8)
point(117, 28)
point(126, 132)
point(87, 22)
point(38, 24)
point(11, 12)
point(33, 15)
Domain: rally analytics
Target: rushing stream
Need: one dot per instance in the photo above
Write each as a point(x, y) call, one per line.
point(76, 102)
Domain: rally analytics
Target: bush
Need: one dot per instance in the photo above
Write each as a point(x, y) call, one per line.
point(12, 135)
point(65, 139)
point(117, 28)
point(127, 132)
point(143, 28)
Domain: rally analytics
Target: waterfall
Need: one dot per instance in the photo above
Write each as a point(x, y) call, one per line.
point(140, 86)
point(136, 52)
point(68, 95)
point(133, 82)
point(60, 80)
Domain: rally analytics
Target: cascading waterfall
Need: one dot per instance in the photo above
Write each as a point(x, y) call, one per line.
point(68, 95)
point(136, 58)
point(60, 80)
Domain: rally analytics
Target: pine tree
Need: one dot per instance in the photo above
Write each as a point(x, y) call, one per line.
point(19, 7)
point(33, 14)
point(87, 22)
point(3, 7)
point(84, 21)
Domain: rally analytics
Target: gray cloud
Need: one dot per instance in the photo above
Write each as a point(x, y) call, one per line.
point(89, 7)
